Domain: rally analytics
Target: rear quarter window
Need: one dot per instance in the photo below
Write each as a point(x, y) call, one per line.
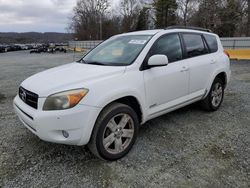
point(211, 42)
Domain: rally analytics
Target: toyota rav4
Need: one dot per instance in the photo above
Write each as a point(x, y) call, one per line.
point(101, 100)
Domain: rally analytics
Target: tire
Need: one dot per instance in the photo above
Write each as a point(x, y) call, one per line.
point(112, 138)
point(211, 103)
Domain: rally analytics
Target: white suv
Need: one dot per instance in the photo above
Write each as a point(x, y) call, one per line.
point(101, 100)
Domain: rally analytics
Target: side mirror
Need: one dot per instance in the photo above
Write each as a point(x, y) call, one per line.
point(158, 60)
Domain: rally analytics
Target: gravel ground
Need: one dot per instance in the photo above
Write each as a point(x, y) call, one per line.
point(185, 148)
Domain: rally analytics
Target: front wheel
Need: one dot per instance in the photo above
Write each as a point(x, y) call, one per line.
point(215, 97)
point(115, 132)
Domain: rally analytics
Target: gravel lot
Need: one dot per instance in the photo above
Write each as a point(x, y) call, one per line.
point(185, 148)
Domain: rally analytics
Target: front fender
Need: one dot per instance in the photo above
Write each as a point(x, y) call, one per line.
point(115, 95)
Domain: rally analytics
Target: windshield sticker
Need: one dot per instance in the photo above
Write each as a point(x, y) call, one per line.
point(141, 42)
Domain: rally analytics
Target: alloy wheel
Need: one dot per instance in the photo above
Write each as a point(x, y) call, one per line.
point(118, 133)
point(217, 94)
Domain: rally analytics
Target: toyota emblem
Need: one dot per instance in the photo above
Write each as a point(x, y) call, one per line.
point(22, 94)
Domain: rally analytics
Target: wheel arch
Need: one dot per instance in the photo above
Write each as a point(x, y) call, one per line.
point(223, 77)
point(129, 100)
point(219, 74)
point(134, 104)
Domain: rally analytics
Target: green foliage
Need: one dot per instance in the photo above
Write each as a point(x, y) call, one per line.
point(142, 23)
point(221, 16)
point(94, 19)
point(229, 18)
point(165, 12)
point(206, 15)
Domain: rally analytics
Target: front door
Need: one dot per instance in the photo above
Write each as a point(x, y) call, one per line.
point(167, 83)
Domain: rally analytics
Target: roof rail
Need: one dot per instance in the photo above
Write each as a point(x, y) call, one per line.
point(189, 27)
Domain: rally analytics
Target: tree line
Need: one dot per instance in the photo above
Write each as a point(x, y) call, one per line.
point(100, 19)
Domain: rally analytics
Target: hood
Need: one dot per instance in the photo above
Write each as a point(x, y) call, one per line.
point(66, 77)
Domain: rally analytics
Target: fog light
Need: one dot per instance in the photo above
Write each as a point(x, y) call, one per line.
point(65, 134)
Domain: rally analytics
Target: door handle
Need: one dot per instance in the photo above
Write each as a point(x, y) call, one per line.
point(184, 69)
point(212, 62)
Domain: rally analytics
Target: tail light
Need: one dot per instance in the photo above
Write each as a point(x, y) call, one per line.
point(227, 53)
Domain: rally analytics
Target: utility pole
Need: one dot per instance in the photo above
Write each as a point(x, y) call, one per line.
point(100, 26)
point(248, 19)
point(75, 41)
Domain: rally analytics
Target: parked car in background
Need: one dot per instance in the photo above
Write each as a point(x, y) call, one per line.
point(60, 49)
point(39, 50)
point(101, 100)
point(29, 46)
point(3, 48)
point(15, 47)
point(50, 48)
point(23, 46)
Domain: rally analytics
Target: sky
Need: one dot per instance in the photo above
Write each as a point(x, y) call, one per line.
point(35, 15)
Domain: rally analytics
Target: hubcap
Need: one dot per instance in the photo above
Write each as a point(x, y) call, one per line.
point(118, 133)
point(217, 94)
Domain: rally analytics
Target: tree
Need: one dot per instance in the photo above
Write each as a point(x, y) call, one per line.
point(112, 26)
point(248, 19)
point(187, 9)
point(225, 17)
point(88, 17)
point(241, 28)
point(93, 19)
point(207, 14)
point(142, 23)
point(165, 11)
point(229, 17)
point(129, 11)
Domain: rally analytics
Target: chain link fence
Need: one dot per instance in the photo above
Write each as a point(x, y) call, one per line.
point(236, 43)
point(228, 43)
point(84, 44)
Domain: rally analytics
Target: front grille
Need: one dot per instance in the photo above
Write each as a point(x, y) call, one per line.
point(28, 97)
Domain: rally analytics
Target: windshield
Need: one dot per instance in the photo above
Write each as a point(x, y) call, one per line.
point(117, 51)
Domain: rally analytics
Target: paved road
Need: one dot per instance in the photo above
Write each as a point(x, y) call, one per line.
point(185, 148)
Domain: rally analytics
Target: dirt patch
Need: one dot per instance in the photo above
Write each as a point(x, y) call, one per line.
point(220, 153)
point(243, 77)
point(2, 97)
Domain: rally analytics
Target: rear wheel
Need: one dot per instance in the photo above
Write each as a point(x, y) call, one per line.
point(215, 97)
point(115, 132)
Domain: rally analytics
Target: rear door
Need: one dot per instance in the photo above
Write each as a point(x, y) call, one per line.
point(201, 63)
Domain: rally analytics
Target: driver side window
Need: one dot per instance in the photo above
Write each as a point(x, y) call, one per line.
point(169, 45)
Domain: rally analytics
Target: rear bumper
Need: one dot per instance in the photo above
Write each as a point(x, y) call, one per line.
point(48, 125)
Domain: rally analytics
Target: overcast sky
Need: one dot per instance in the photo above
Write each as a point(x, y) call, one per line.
point(35, 15)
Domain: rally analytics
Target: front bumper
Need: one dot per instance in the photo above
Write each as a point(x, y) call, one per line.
point(48, 125)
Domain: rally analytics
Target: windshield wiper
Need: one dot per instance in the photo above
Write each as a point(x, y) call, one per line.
point(103, 64)
point(81, 61)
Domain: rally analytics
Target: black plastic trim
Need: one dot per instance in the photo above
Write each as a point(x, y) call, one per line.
point(24, 112)
point(189, 27)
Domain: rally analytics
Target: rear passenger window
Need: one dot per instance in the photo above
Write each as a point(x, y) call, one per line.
point(212, 43)
point(170, 46)
point(194, 45)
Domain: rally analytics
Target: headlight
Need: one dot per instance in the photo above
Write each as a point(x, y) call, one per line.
point(64, 100)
